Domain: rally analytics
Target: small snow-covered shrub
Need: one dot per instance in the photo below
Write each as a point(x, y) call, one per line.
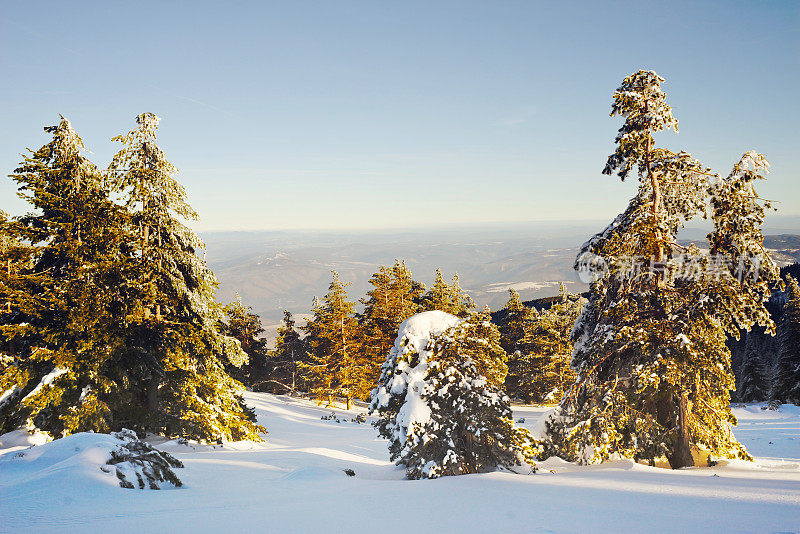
point(75, 460)
point(136, 459)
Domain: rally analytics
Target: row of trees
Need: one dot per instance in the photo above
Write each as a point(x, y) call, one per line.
point(339, 352)
point(109, 318)
point(767, 368)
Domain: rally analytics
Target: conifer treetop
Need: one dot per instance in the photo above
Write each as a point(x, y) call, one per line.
point(642, 102)
point(63, 154)
point(142, 169)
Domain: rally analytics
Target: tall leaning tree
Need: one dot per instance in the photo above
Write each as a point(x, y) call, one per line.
point(174, 335)
point(654, 373)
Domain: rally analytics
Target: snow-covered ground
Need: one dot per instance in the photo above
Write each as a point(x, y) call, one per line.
point(295, 483)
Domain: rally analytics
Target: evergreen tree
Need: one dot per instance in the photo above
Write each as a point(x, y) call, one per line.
point(336, 365)
point(786, 383)
point(405, 373)
point(542, 360)
point(15, 260)
point(653, 369)
point(470, 429)
point(394, 298)
point(753, 385)
point(462, 304)
point(284, 362)
point(517, 322)
point(439, 398)
point(437, 297)
point(479, 340)
point(64, 296)
point(245, 326)
point(173, 335)
point(447, 298)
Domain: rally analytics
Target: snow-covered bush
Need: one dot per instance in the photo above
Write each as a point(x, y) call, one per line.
point(440, 412)
point(134, 458)
point(470, 430)
point(397, 399)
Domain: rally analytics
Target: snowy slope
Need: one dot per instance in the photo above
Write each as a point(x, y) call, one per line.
point(295, 483)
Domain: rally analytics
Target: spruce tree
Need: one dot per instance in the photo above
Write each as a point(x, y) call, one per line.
point(174, 333)
point(437, 297)
point(753, 384)
point(543, 355)
point(462, 304)
point(479, 340)
point(786, 381)
point(393, 299)
point(653, 369)
point(471, 429)
point(405, 373)
point(284, 361)
point(15, 261)
point(64, 292)
point(336, 365)
point(516, 323)
point(245, 326)
point(439, 399)
point(449, 298)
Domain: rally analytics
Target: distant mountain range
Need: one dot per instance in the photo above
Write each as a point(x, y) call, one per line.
point(273, 271)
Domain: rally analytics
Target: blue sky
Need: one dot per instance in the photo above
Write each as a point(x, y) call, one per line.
point(377, 115)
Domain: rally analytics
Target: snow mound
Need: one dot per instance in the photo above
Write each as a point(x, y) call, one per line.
point(539, 430)
point(22, 438)
point(88, 458)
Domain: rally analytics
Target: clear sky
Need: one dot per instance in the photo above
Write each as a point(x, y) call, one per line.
point(393, 114)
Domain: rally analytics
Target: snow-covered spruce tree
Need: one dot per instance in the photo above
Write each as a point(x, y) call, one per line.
point(470, 429)
point(542, 357)
point(449, 298)
point(653, 369)
point(173, 335)
point(393, 299)
point(64, 292)
point(283, 362)
point(786, 376)
point(336, 365)
point(439, 364)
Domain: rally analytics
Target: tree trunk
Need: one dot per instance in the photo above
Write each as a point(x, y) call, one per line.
point(8, 271)
point(655, 207)
point(682, 452)
point(152, 393)
point(158, 306)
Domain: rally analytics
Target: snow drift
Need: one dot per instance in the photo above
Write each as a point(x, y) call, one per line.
point(88, 459)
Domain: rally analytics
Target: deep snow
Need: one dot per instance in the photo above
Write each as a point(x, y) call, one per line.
point(295, 483)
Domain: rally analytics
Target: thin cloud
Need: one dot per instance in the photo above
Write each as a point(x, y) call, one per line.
point(520, 117)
